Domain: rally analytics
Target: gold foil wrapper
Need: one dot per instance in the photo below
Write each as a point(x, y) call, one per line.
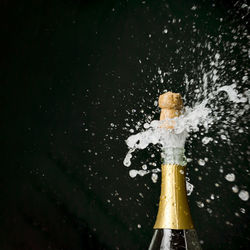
point(173, 212)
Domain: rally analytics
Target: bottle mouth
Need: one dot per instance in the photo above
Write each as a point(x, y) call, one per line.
point(174, 155)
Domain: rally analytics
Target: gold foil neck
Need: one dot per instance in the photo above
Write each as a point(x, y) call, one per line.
point(173, 212)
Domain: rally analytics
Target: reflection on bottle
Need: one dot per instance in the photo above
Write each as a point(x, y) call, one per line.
point(171, 239)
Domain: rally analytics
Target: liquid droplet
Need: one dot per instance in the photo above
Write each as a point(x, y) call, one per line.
point(154, 177)
point(235, 189)
point(230, 177)
point(201, 162)
point(133, 173)
point(244, 195)
point(200, 204)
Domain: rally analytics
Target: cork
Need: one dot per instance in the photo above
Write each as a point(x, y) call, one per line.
point(171, 105)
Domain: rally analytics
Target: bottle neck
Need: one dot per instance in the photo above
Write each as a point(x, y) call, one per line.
point(176, 156)
point(173, 212)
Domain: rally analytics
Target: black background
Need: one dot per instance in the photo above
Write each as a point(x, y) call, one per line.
point(68, 70)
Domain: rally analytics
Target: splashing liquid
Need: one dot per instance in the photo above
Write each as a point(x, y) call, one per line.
point(200, 117)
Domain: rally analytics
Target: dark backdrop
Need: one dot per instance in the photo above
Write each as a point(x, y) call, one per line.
point(71, 72)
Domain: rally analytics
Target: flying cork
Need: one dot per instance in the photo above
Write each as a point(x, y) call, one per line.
point(171, 105)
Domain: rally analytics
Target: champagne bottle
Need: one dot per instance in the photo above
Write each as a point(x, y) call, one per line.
point(173, 229)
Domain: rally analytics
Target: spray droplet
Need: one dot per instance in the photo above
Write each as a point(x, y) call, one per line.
point(165, 31)
point(201, 162)
point(235, 189)
point(189, 188)
point(154, 177)
point(132, 173)
point(230, 177)
point(209, 210)
point(243, 210)
point(217, 56)
point(206, 140)
point(200, 204)
point(244, 195)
